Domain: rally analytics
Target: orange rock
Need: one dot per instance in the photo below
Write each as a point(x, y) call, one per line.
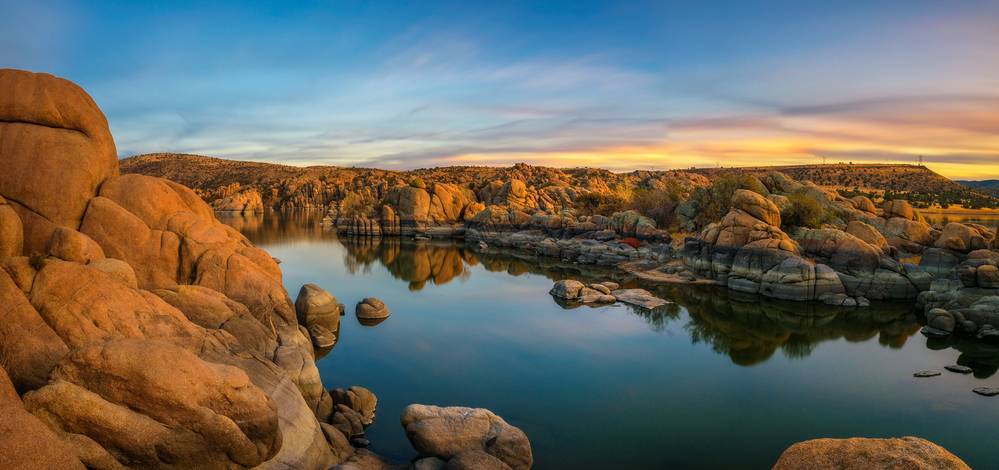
point(25, 442)
point(47, 126)
point(909, 453)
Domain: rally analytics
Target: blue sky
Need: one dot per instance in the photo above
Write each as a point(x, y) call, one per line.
point(622, 85)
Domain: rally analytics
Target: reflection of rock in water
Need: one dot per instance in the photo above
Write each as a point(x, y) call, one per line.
point(416, 263)
point(750, 330)
point(747, 328)
point(270, 227)
point(371, 321)
point(982, 358)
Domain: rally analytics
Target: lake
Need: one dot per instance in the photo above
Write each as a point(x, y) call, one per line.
point(714, 381)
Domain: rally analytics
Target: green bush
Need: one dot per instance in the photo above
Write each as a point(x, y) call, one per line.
point(657, 204)
point(599, 204)
point(804, 210)
point(418, 183)
point(714, 201)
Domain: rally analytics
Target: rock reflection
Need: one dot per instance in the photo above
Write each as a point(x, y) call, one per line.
point(748, 329)
point(751, 329)
point(982, 358)
point(263, 228)
point(414, 262)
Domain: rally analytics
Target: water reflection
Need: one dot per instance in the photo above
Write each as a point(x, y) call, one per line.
point(273, 227)
point(480, 329)
point(751, 330)
point(748, 329)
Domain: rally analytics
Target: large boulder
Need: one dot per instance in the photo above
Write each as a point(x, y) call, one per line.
point(899, 208)
point(964, 238)
point(911, 453)
point(757, 206)
point(25, 442)
point(28, 346)
point(168, 410)
point(867, 233)
point(448, 432)
point(412, 205)
point(315, 306)
point(86, 306)
point(51, 130)
point(243, 202)
point(213, 310)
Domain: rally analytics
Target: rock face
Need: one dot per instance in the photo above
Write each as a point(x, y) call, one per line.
point(748, 252)
point(862, 454)
point(49, 125)
point(140, 330)
point(448, 433)
point(26, 442)
point(189, 412)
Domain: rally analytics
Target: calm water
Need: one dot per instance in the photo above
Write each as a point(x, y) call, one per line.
point(714, 382)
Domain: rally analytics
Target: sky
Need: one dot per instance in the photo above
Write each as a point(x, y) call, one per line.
point(619, 85)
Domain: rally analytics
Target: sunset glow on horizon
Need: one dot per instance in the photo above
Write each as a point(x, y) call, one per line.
point(643, 85)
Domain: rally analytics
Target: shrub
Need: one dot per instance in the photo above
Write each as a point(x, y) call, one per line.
point(418, 183)
point(594, 203)
point(803, 210)
point(657, 204)
point(714, 201)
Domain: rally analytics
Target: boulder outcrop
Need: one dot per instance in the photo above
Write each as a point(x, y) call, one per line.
point(448, 433)
point(139, 329)
point(862, 454)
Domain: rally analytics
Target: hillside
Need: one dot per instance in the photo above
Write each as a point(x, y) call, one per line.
point(288, 187)
point(880, 177)
point(919, 184)
point(226, 183)
point(990, 187)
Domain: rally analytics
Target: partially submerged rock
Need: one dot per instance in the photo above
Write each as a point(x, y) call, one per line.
point(371, 311)
point(865, 454)
point(315, 306)
point(639, 298)
point(449, 432)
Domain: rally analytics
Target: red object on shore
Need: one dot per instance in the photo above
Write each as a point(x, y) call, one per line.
point(632, 242)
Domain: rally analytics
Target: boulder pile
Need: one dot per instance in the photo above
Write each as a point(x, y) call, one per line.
point(140, 331)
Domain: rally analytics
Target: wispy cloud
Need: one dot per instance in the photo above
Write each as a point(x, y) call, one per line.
point(650, 86)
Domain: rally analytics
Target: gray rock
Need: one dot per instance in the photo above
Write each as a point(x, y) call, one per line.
point(639, 298)
point(959, 369)
point(931, 332)
point(986, 391)
point(941, 319)
point(927, 373)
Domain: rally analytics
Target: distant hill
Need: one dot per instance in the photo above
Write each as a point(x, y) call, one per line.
point(881, 177)
point(211, 177)
point(985, 186)
point(917, 183)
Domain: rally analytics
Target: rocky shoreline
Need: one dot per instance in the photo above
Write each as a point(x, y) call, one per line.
point(142, 332)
